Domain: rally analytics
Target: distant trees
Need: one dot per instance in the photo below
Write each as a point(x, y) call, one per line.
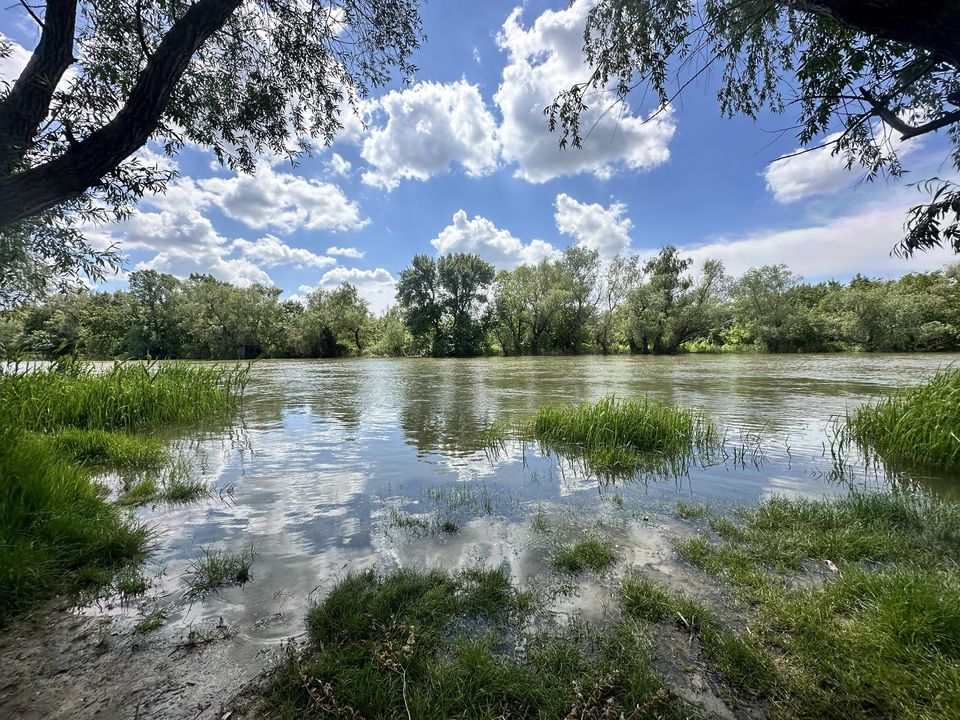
point(454, 305)
point(445, 303)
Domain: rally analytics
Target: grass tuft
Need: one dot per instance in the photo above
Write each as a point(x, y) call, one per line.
point(592, 554)
point(216, 570)
point(917, 428)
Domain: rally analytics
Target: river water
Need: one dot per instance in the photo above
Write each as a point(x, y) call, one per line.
point(339, 465)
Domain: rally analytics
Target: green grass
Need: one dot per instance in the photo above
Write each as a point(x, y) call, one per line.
point(692, 511)
point(590, 554)
point(617, 438)
point(432, 645)
point(215, 570)
point(58, 427)
point(917, 428)
point(153, 621)
point(129, 396)
point(58, 532)
point(104, 449)
point(877, 638)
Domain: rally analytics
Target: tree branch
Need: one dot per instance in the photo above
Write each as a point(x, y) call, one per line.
point(85, 164)
point(28, 103)
point(906, 130)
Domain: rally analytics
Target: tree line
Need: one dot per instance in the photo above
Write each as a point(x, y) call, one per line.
point(457, 305)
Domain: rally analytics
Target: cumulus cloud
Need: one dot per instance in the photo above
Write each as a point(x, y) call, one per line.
point(838, 248)
point(270, 251)
point(378, 287)
point(349, 252)
point(480, 236)
point(604, 229)
point(430, 127)
point(544, 60)
point(267, 200)
point(186, 242)
point(338, 165)
point(800, 174)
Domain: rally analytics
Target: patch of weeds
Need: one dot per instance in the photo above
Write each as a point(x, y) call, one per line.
point(216, 570)
point(914, 428)
point(592, 554)
point(105, 449)
point(539, 523)
point(448, 527)
point(692, 511)
point(180, 487)
point(617, 499)
point(153, 621)
point(431, 645)
point(405, 521)
point(140, 492)
point(131, 584)
point(879, 638)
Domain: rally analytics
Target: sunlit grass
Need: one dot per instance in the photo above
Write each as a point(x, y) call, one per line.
point(589, 554)
point(215, 570)
point(914, 428)
point(615, 437)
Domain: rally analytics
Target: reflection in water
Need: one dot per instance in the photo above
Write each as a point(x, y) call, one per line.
point(329, 453)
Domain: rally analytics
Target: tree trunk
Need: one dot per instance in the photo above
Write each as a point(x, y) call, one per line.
point(81, 167)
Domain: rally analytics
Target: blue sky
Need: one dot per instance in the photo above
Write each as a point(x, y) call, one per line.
point(462, 161)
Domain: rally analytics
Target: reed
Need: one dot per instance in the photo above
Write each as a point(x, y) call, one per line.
point(128, 396)
point(917, 428)
point(620, 437)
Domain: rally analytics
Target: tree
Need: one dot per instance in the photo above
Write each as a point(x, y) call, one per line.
point(767, 307)
point(579, 268)
point(621, 278)
point(870, 70)
point(334, 321)
point(445, 302)
point(241, 78)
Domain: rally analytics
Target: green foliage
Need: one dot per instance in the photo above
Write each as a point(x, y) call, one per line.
point(101, 448)
point(917, 428)
point(444, 302)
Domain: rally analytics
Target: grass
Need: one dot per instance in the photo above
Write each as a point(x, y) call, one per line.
point(918, 428)
point(215, 570)
point(177, 486)
point(58, 533)
point(433, 645)
point(618, 438)
point(153, 621)
point(692, 511)
point(590, 554)
point(879, 636)
point(58, 427)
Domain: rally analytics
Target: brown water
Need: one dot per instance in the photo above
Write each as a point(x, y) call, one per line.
point(339, 465)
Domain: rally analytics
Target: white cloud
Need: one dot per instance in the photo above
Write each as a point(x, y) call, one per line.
point(270, 251)
point(604, 229)
point(841, 247)
point(186, 242)
point(268, 199)
point(339, 165)
point(430, 127)
point(12, 64)
point(545, 60)
point(800, 174)
point(378, 287)
point(493, 244)
point(349, 252)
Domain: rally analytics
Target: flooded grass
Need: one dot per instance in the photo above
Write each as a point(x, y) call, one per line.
point(616, 438)
point(914, 428)
point(216, 570)
point(692, 511)
point(152, 622)
point(876, 632)
point(590, 554)
point(427, 645)
point(62, 424)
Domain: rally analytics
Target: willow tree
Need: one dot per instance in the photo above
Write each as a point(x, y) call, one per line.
point(242, 78)
point(840, 66)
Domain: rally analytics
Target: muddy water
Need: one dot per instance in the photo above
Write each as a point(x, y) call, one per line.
point(340, 465)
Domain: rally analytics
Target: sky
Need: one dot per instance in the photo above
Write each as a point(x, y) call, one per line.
point(462, 161)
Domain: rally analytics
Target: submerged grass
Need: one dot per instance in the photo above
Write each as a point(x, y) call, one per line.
point(914, 428)
point(217, 569)
point(432, 645)
point(58, 427)
point(589, 554)
point(617, 438)
point(876, 632)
